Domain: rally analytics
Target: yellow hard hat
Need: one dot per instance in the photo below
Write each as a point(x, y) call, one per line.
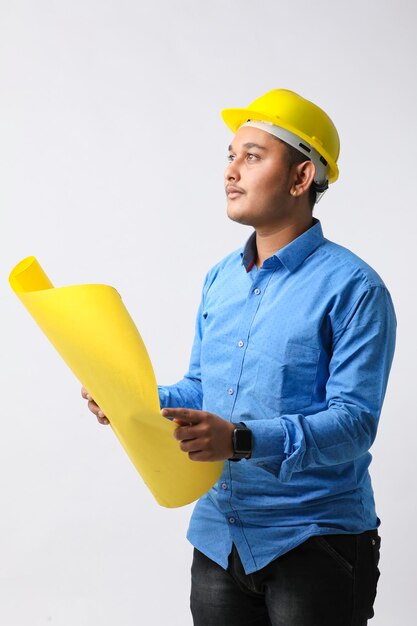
point(288, 110)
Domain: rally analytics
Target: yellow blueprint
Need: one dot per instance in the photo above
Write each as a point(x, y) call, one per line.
point(93, 332)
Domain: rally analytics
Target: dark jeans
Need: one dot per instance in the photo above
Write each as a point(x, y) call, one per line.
point(326, 581)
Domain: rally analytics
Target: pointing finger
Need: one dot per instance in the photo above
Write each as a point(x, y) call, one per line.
point(183, 415)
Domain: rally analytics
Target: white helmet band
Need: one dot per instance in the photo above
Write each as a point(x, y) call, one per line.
point(321, 175)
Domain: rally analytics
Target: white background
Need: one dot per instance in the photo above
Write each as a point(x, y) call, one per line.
point(112, 151)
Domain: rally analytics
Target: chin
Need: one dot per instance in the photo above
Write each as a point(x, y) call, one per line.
point(238, 216)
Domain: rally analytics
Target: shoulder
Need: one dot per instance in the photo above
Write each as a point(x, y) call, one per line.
point(342, 268)
point(352, 286)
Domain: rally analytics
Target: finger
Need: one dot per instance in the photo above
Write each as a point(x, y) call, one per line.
point(187, 415)
point(93, 407)
point(103, 419)
point(192, 445)
point(180, 422)
point(99, 415)
point(185, 433)
point(85, 394)
point(201, 455)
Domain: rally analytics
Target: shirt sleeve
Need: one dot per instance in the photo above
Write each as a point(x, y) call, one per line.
point(361, 359)
point(188, 392)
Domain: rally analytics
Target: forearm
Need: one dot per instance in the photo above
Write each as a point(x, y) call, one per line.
point(186, 393)
point(294, 443)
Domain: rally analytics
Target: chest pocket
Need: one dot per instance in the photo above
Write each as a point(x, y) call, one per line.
point(285, 382)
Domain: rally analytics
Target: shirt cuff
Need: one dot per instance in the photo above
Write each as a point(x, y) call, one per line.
point(268, 439)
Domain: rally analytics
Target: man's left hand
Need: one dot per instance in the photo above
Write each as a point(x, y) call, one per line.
point(204, 436)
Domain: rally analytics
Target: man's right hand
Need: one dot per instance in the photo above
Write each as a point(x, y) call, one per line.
point(94, 408)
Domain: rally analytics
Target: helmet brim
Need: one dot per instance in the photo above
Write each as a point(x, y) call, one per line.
point(234, 118)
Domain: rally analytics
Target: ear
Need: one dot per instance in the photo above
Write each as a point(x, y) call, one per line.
point(302, 178)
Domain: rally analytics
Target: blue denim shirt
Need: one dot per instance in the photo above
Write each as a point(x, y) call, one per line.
point(300, 351)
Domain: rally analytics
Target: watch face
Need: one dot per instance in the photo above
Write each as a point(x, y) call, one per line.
point(243, 440)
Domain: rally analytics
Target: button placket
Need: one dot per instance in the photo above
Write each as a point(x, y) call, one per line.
point(244, 323)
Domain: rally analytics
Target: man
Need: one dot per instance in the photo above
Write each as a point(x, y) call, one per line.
point(294, 342)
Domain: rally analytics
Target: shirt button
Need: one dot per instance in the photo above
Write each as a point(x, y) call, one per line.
point(240, 343)
point(232, 520)
point(230, 391)
point(257, 291)
point(224, 486)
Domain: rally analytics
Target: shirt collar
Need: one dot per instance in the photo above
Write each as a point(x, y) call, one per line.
point(292, 255)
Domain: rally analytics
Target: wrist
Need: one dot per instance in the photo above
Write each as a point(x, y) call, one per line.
point(242, 442)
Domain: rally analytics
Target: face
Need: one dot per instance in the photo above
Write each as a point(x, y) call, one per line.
point(257, 179)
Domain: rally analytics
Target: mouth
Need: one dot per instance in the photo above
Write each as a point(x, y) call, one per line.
point(233, 192)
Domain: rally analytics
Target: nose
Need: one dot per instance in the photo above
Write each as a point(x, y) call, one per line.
point(232, 172)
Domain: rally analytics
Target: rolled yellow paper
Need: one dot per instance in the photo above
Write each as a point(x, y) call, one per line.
point(93, 332)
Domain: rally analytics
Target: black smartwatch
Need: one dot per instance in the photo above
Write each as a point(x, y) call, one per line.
point(242, 443)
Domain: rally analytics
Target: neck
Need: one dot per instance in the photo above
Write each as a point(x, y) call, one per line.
point(269, 241)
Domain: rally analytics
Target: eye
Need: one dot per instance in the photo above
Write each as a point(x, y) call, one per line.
point(230, 157)
point(252, 157)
